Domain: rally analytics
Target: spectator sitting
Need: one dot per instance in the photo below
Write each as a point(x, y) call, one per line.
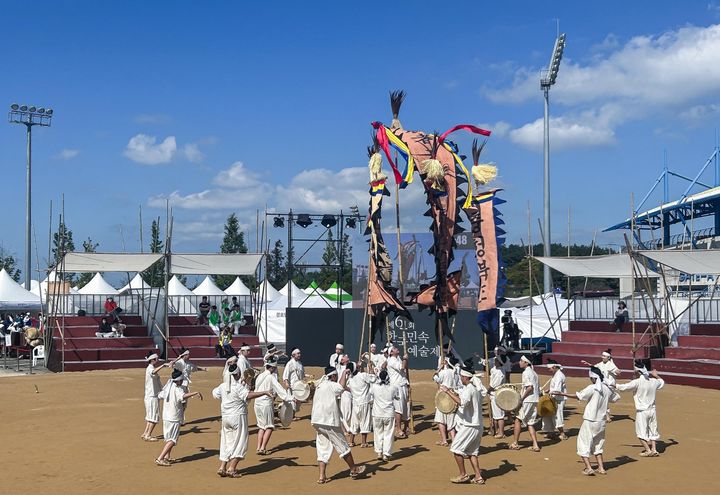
point(224, 304)
point(119, 329)
point(224, 348)
point(621, 316)
point(112, 310)
point(204, 308)
point(236, 317)
point(105, 329)
point(214, 319)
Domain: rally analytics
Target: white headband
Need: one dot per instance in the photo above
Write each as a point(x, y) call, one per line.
point(465, 373)
point(236, 372)
point(151, 357)
point(606, 354)
point(186, 352)
point(332, 373)
point(523, 358)
point(598, 379)
point(642, 370)
point(340, 346)
point(245, 348)
point(554, 365)
point(294, 351)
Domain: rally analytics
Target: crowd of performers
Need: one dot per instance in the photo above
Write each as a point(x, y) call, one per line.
point(355, 399)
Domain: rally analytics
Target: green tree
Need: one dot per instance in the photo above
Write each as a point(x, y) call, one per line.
point(63, 243)
point(155, 275)
point(233, 242)
point(346, 257)
point(89, 247)
point(9, 264)
point(328, 272)
point(276, 267)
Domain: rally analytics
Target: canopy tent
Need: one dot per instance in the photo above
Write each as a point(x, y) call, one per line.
point(607, 266)
point(543, 319)
point(98, 286)
point(519, 302)
point(216, 264)
point(179, 297)
point(176, 288)
point(237, 288)
point(314, 289)
point(266, 292)
point(108, 262)
point(297, 292)
point(691, 262)
point(334, 293)
point(208, 288)
point(137, 283)
point(14, 296)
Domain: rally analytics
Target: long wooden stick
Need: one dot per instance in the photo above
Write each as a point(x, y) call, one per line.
point(487, 380)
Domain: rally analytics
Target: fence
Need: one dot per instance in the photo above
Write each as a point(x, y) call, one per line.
point(703, 310)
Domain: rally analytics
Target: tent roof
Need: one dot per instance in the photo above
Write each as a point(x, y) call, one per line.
point(314, 289)
point(297, 293)
point(208, 288)
point(137, 283)
point(14, 295)
point(271, 293)
point(237, 288)
point(215, 264)
point(108, 262)
point(608, 266)
point(692, 262)
point(98, 285)
point(176, 288)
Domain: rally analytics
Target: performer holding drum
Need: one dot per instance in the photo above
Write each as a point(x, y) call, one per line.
point(445, 413)
point(497, 378)
point(264, 410)
point(527, 415)
point(554, 424)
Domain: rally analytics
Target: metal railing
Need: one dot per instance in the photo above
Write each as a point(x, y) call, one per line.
point(187, 305)
point(704, 310)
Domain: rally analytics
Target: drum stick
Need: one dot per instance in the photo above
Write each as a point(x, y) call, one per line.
point(487, 380)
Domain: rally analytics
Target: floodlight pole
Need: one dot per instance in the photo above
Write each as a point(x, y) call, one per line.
point(546, 187)
point(28, 207)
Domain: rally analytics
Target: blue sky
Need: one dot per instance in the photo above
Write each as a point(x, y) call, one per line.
point(232, 106)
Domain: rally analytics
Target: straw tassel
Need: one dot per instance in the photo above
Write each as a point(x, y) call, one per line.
point(435, 174)
point(484, 173)
point(375, 167)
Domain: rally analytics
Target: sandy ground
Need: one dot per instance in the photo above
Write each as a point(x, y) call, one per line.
point(80, 434)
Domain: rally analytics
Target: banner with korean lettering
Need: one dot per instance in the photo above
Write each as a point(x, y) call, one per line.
point(487, 235)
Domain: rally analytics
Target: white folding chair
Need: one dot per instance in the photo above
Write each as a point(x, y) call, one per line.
point(38, 352)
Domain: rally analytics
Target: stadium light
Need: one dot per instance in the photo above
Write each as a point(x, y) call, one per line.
point(547, 79)
point(328, 221)
point(304, 220)
point(29, 117)
point(279, 222)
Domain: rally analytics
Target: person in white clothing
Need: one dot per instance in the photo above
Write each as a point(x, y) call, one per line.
point(335, 357)
point(609, 370)
point(497, 378)
point(294, 370)
point(397, 371)
point(361, 418)
point(527, 415)
point(470, 425)
point(325, 418)
point(445, 377)
point(152, 389)
point(272, 352)
point(174, 397)
point(243, 362)
point(591, 437)
point(644, 388)
point(233, 394)
point(375, 358)
point(383, 396)
point(555, 425)
point(346, 397)
point(264, 412)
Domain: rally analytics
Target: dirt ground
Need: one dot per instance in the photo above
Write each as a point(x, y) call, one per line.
point(79, 433)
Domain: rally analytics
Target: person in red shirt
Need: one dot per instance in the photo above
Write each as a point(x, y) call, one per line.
point(112, 310)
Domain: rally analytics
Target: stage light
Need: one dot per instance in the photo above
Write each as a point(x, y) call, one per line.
point(14, 106)
point(304, 220)
point(23, 108)
point(41, 110)
point(279, 222)
point(49, 111)
point(328, 221)
point(32, 109)
point(350, 222)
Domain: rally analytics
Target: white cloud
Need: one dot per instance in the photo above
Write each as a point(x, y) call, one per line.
point(142, 149)
point(700, 113)
point(236, 177)
point(192, 153)
point(67, 154)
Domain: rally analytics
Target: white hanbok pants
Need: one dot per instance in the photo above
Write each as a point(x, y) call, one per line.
point(361, 421)
point(467, 440)
point(384, 434)
point(328, 438)
point(346, 410)
point(591, 438)
point(401, 404)
point(233, 437)
point(552, 423)
point(646, 427)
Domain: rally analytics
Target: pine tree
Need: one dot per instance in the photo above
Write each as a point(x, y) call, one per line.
point(346, 248)
point(276, 267)
point(233, 242)
point(328, 272)
point(63, 243)
point(9, 264)
point(89, 247)
point(155, 275)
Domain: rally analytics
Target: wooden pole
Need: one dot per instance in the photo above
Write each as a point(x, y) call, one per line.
point(487, 380)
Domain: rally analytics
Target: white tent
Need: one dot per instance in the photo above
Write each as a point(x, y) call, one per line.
point(267, 292)
point(179, 297)
point(313, 289)
point(542, 325)
point(176, 288)
point(692, 261)
point(98, 286)
point(208, 288)
point(13, 296)
point(296, 292)
point(607, 266)
point(237, 288)
point(137, 283)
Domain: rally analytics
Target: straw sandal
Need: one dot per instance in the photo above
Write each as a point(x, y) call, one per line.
point(645, 453)
point(441, 444)
point(460, 479)
point(588, 472)
point(478, 481)
point(534, 449)
point(364, 445)
point(322, 481)
point(162, 462)
point(357, 472)
point(221, 472)
point(598, 471)
point(234, 474)
point(563, 437)
point(514, 446)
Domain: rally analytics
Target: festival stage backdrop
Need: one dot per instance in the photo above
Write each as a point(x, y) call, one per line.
point(418, 266)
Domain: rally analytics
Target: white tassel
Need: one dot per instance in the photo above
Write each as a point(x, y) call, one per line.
point(435, 173)
point(375, 166)
point(484, 173)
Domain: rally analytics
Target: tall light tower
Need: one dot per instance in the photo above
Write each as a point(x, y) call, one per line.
point(29, 116)
point(547, 79)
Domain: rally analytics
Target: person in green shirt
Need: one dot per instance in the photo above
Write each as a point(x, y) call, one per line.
point(214, 319)
point(236, 318)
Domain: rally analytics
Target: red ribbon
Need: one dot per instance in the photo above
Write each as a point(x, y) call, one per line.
point(466, 127)
point(385, 145)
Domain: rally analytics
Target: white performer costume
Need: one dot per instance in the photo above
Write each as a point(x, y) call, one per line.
point(264, 405)
point(497, 378)
point(377, 359)
point(243, 363)
point(469, 420)
point(645, 389)
point(557, 384)
point(528, 412)
point(610, 371)
point(294, 371)
point(234, 429)
point(591, 438)
point(325, 418)
point(449, 378)
point(152, 389)
point(361, 417)
point(383, 415)
point(173, 410)
point(398, 378)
